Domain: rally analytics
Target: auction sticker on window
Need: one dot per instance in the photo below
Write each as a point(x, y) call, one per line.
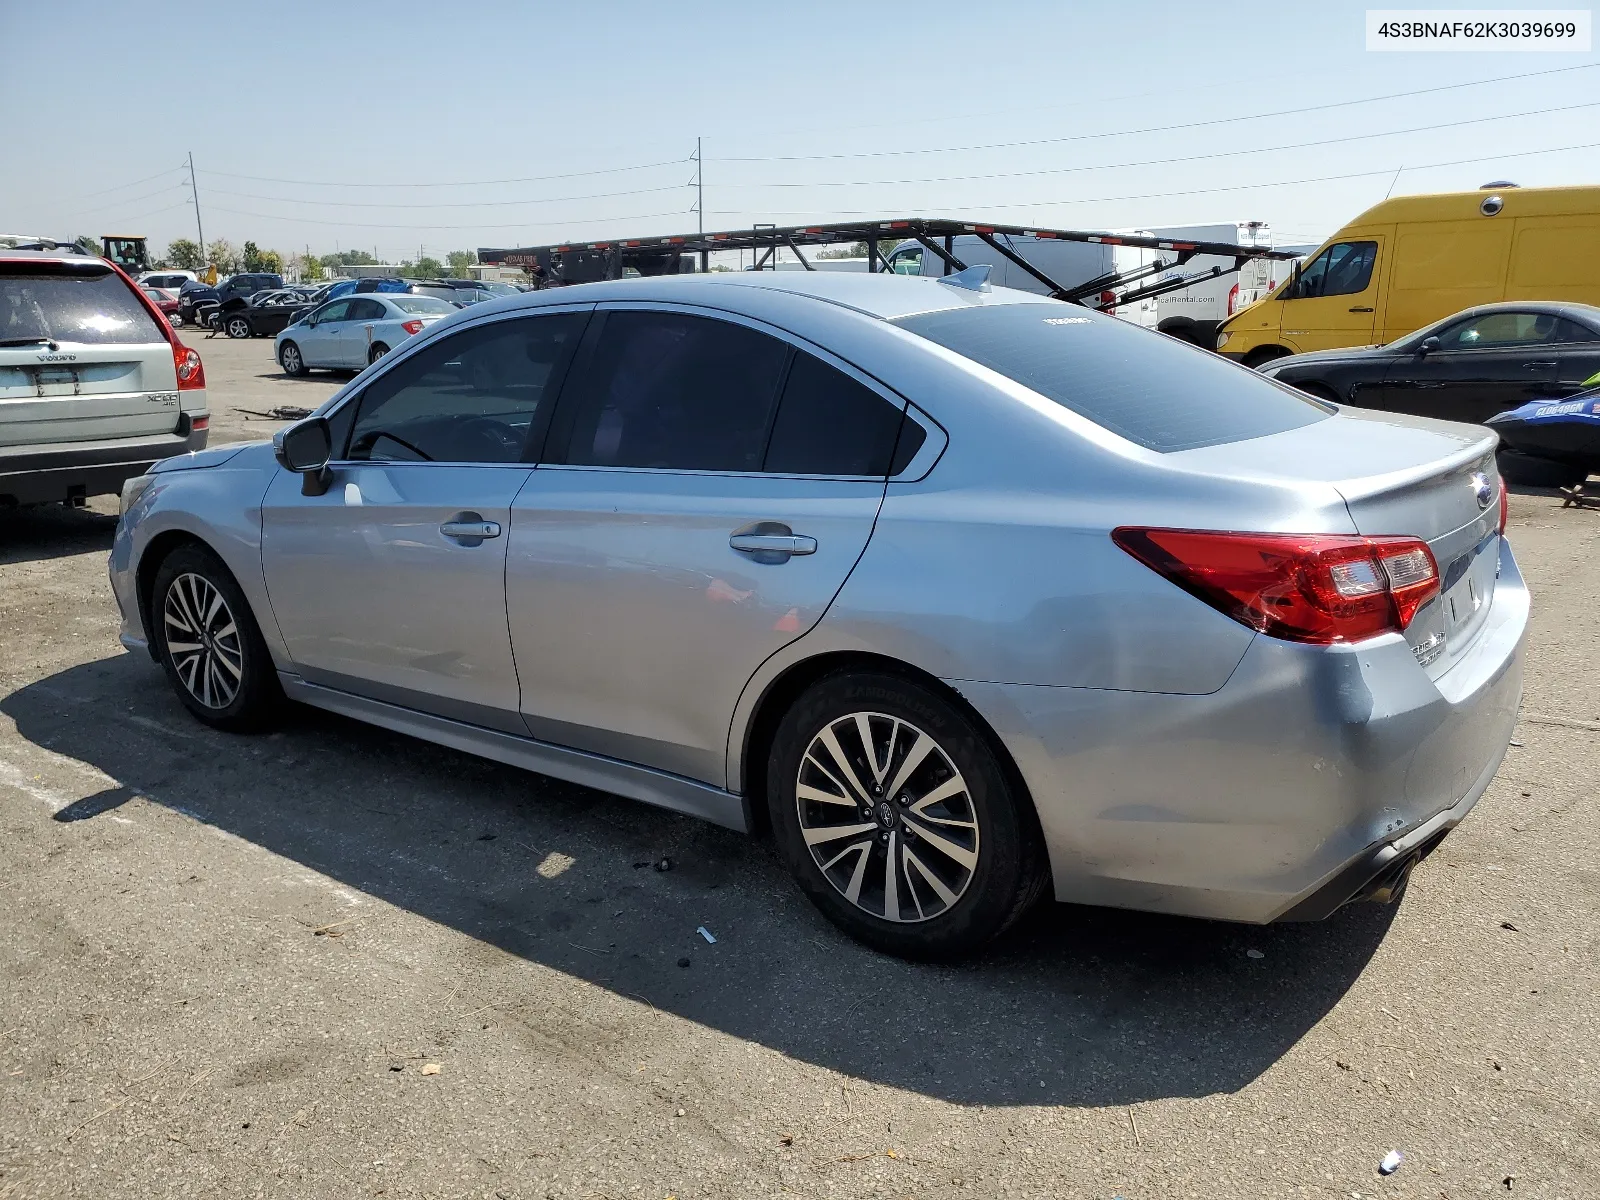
point(1465, 29)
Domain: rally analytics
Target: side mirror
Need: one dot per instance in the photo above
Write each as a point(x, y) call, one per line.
point(305, 448)
point(1429, 345)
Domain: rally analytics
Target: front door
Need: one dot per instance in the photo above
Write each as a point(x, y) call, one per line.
point(391, 585)
point(1333, 304)
point(1484, 364)
point(711, 488)
point(319, 338)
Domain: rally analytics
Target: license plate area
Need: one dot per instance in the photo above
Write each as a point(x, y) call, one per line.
point(1469, 587)
point(57, 381)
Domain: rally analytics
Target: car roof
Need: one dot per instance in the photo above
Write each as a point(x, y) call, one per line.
point(883, 295)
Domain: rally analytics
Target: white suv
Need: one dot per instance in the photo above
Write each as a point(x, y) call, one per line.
point(94, 384)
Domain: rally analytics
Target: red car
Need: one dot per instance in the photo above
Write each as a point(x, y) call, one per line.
point(167, 302)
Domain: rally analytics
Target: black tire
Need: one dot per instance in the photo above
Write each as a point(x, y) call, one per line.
point(1182, 328)
point(377, 351)
point(291, 360)
point(1008, 868)
point(1320, 390)
point(1262, 355)
point(179, 596)
point(1527, 470)
point(236, 327)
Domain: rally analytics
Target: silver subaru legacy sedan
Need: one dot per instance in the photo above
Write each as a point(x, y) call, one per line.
point(959, 594)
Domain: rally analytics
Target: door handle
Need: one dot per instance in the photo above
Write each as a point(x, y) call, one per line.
point(1537, 366)
point(1362, 308)
point(776, 543)
point(471, 531)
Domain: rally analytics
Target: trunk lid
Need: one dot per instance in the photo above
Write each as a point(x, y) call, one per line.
point(1406, 476)
point(81, 357)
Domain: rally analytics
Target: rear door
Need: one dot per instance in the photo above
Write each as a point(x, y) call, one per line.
point(319, 339)
point(1576, 351)
point(709, 488)
point(355, 336)
point(81, 357)
point(1333, 304)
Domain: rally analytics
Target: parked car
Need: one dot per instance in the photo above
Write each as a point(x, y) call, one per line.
point(461, 291)
point(969, 594)
point(167, 302)
point(94, 384)
point(372, 283)
point(1467, 367)
point(353, 331)
point(199, 302)
point(166, 279)
point(263, 315)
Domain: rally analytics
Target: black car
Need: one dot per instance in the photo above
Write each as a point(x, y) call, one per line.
point(196, 299)
point(265, 314)
point(1467, 367)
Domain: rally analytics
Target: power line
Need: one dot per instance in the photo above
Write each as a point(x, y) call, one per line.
point(674, 187)
point(1153, 162)
point(677, 212)
point(135, 183)
point(670, 162)
point(99, 208)
point(1214, 121)
point(1235, 187)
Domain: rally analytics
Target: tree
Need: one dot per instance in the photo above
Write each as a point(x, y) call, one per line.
point(87, 243)
point(305, 268)
point(459, 261)
point(251, 257)
point(222, 254)
point(269, 260)
point(424, 268)
point(348, 258)
point(184, 255)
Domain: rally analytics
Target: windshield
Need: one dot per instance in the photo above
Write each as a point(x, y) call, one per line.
point(93, 310)
point(498, 289)
point(1157, 392)
point(421, 305)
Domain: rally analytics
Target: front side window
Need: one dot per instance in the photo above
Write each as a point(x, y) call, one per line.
point(908, 262)
point(1499, 330)
point(1155, 391)
point(478, 396)
point(676, 392)
point(1343, 269)
point(339, 310)
point(95, 310)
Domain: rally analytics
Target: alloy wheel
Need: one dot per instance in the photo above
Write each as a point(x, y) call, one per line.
point(291, 360)
point(238, 328)
point(203, 640)
point(887, 817)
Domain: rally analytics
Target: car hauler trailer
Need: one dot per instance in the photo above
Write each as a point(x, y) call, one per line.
point(943, 239)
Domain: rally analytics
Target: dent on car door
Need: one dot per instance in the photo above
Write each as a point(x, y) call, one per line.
point(391, 584)
point(709, 489)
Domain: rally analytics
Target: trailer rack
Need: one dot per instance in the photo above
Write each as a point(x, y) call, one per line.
point(587, 262)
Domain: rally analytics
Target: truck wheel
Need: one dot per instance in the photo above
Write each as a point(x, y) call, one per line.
point(1528, 470)
point(1181, 328)
point(892, 812)
point(1262, 355)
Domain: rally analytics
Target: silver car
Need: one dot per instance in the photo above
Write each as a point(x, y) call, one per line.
point(961, 594)
point(353, 331)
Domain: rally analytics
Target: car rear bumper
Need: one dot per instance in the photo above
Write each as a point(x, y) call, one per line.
point(1311, 775)
point(61, 472)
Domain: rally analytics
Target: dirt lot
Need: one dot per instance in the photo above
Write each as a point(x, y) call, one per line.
point(331, 962)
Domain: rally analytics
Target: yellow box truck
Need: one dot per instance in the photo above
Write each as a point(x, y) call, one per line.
point(1414, 259)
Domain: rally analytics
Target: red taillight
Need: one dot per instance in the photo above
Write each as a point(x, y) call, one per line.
point(191, 372)
point(411, 327)
point(1505, 506)
point(1108, 302)
point(1317, 588)
point(198, 423)
point(1233, 299)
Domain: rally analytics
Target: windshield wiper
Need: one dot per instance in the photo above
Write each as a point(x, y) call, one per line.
point(31, 341)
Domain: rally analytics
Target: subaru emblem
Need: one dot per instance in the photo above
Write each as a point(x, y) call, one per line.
point(1482, 490)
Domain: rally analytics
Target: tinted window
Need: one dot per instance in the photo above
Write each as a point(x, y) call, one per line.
point(1150, 389)
point(471, 397)
point(367, 310)
point(1499, 329)
point(828, 424)
point(94, 310)
point(1571, 331)
point(1343, 269)
point(676, 392)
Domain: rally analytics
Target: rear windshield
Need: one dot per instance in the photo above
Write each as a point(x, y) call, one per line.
point(420, 304)
point(95, 310)
point(1149, 388)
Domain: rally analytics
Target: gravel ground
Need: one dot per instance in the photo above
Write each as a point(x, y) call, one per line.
point(333, 962)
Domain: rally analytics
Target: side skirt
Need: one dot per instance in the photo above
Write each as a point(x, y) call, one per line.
point(575, 766)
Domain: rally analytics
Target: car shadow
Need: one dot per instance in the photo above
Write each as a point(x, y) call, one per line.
point(1077, 1006)
point(49, 531)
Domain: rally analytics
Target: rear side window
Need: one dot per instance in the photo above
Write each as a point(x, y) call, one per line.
point(1146, 387)
point(94, 310)
point(367, 310)
point(676, 392)
point(828, 424)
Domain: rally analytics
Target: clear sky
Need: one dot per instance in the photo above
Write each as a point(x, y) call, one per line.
point(336, 125)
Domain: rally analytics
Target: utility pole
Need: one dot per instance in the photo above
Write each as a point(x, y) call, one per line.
point(198, 228)
point(700, 199)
